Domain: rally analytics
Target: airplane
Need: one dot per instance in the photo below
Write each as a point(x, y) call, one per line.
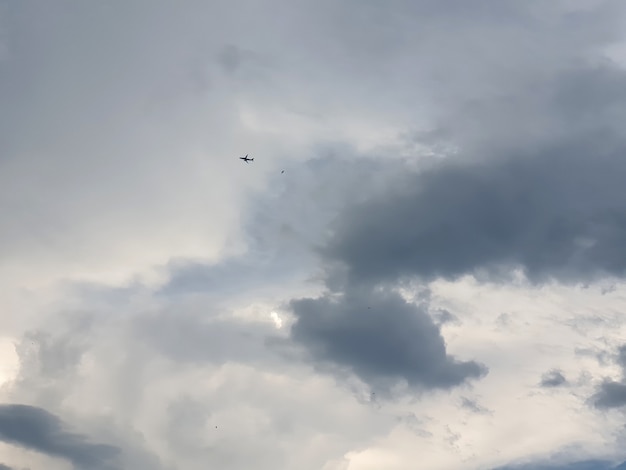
point(246, 159)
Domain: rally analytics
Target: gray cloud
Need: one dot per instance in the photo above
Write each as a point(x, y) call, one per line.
point(193, 338)
point(247, 274)
point(553, 378)
point(443, 316)
point(116, 119)
point(621, 357)
point(381, 338)
point(37, 429)
point(581, 465)
point(281, 243)
point(50, 355)
point(527, 211)
point(547, 203)
point(55, 360)
point(611, 393)
point(473, 406)
point(483, 215)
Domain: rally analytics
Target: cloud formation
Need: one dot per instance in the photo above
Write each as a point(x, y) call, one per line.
point(39, 430)
point(473, 217)
point(191, 311)
point(611, 393)
point(582, 465)
point(381, 338)
point(553, 378)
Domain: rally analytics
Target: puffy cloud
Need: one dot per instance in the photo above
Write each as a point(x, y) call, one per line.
point(381, 338)
point(493, 216)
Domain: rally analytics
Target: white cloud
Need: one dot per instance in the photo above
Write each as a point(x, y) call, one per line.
point(10, 362)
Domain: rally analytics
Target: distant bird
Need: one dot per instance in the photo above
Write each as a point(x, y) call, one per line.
point(282, 171)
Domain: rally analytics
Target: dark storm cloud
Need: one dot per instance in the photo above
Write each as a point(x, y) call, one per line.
point(36, 429)
point(552, 378)
point(552, 205)
point(381, 338)
point(530, 212)
point(549, 200)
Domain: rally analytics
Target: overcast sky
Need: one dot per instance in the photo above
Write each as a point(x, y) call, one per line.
point(436, 280)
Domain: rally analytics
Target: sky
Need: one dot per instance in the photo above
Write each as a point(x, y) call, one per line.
point(424, 266)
